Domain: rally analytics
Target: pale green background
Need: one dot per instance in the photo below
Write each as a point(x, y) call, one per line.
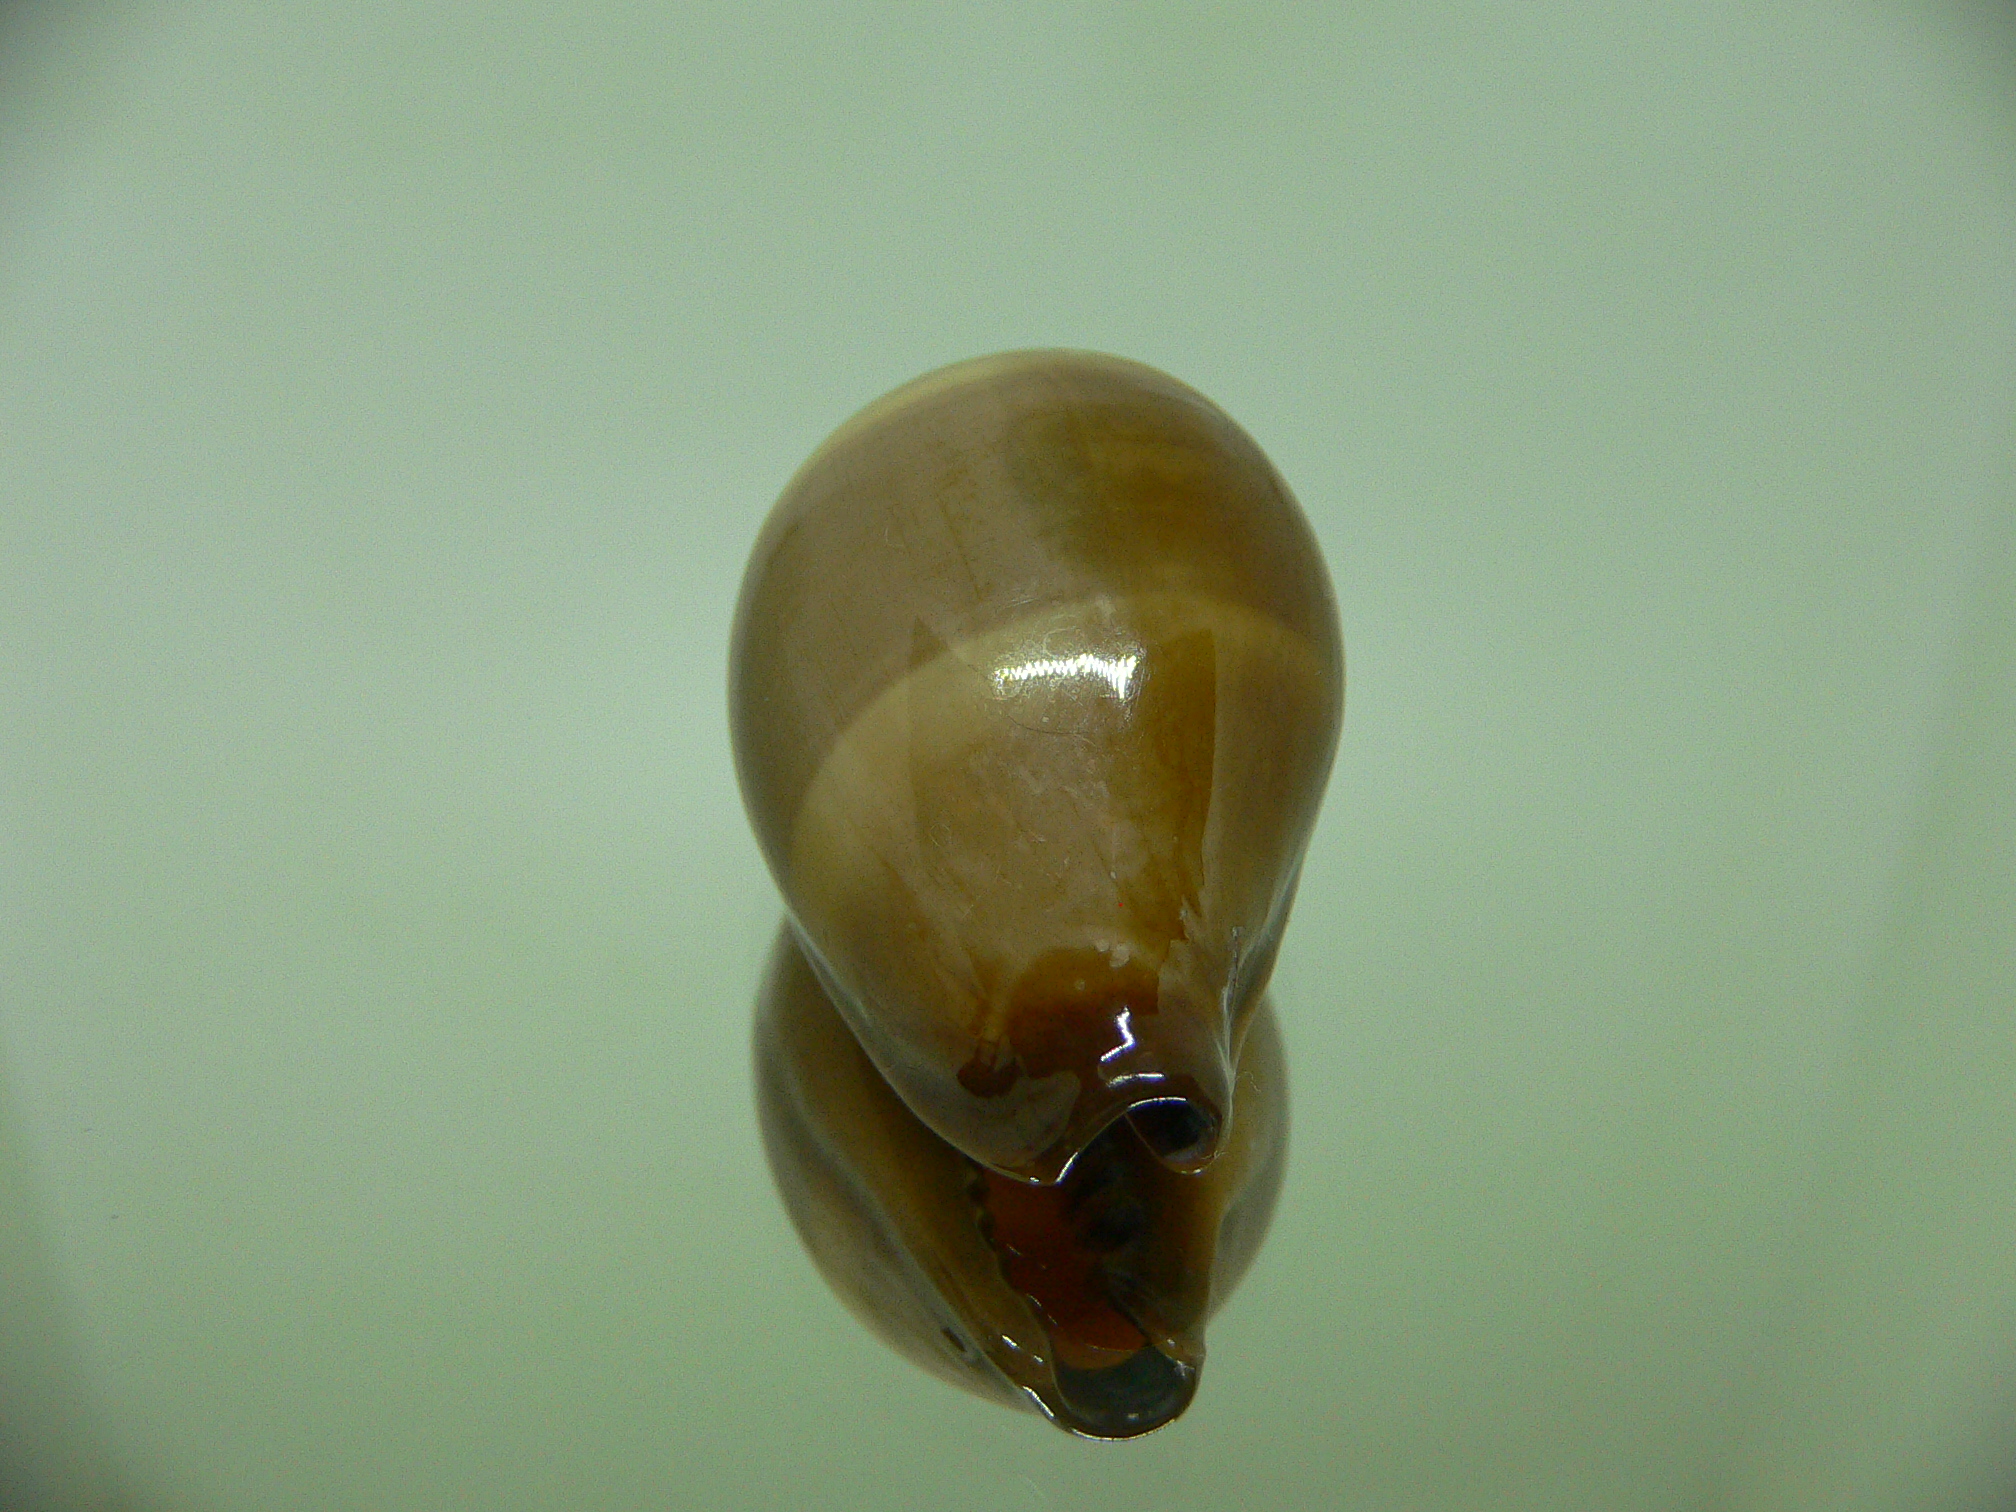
point(388, 398)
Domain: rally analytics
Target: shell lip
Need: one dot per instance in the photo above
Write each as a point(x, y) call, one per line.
point(1177, 1097)
point(1102, 1034)
point(1182, 1132)
point(1180, 1123)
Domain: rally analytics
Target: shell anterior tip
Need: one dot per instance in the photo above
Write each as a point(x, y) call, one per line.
point(1183, 1134)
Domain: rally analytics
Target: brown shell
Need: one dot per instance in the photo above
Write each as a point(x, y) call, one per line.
point(1035, 685)
point(1086, 1299)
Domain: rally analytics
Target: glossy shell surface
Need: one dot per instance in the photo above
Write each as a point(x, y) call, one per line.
point(1035, 685)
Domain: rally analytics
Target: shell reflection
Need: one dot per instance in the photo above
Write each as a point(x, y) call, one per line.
point(1087, 1297)
point(1035, 686)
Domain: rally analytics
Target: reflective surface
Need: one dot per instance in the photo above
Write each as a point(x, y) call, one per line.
point(1087, 1298)
point(389, 398)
